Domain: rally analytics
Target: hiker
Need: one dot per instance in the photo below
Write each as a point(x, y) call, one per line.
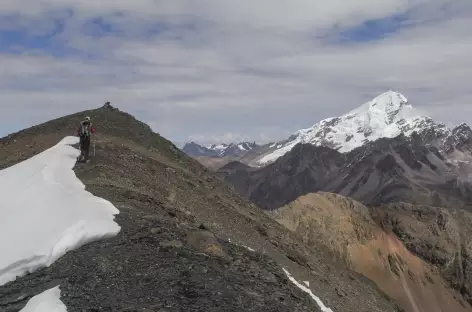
point(84, 132)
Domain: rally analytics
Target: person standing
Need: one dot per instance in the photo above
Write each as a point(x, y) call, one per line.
point(84, 132)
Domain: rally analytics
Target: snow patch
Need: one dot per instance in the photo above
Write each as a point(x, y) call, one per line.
point(278, 153)
point(308, 291)
point(218, 148)
point(46, 212)
point(231, 149)
point(249, 248)
point(48, 301)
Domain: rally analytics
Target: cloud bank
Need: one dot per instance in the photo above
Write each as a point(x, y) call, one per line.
point(213, 70)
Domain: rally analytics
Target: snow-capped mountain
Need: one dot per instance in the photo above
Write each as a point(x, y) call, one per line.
point(386, 116)
point(218, 150)
point(460, 139)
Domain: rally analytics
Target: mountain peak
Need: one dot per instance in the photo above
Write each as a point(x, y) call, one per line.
point(463, 127)
point(390, 98)
point(460, 138)
point(386, 108)
point(386, 116)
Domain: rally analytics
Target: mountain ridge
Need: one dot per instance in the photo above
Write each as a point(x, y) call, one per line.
point(218, 150)
point(387, 115)
point(183, 234)
point(368, 173)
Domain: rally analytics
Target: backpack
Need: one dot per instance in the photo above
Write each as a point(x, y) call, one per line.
point(85, 129)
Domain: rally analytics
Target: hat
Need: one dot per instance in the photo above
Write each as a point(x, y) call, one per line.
point(87, 118)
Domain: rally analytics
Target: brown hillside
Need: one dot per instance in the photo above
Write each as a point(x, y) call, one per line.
point(347, 228)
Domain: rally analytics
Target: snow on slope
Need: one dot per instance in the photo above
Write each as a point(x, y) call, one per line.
point(48, 301)
point(46, 212)
point(386, 116)
point(231, 149)
point(218, 148)
point(242, 147)
point(308, 291)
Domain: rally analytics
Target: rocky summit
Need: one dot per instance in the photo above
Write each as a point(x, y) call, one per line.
point(187, 242)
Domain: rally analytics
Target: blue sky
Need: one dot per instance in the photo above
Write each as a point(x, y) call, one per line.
point(375, 29)
point(217, 71)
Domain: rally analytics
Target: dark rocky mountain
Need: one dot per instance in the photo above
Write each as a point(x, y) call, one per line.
point(182, 238)
point(460, 139)
point(193, 149)
point(383, 171)
point(237, 149)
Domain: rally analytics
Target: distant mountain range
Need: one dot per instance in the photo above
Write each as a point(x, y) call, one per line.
point(218, 150)
point(386, 116)
point(384, 171)
point(379, 153)
point(413, 174)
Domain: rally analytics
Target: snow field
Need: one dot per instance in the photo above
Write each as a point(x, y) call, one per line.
point(46, 212)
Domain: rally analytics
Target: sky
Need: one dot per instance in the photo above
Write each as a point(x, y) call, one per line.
point(216, 71)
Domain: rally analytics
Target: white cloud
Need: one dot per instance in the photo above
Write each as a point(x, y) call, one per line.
point(234, 70)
